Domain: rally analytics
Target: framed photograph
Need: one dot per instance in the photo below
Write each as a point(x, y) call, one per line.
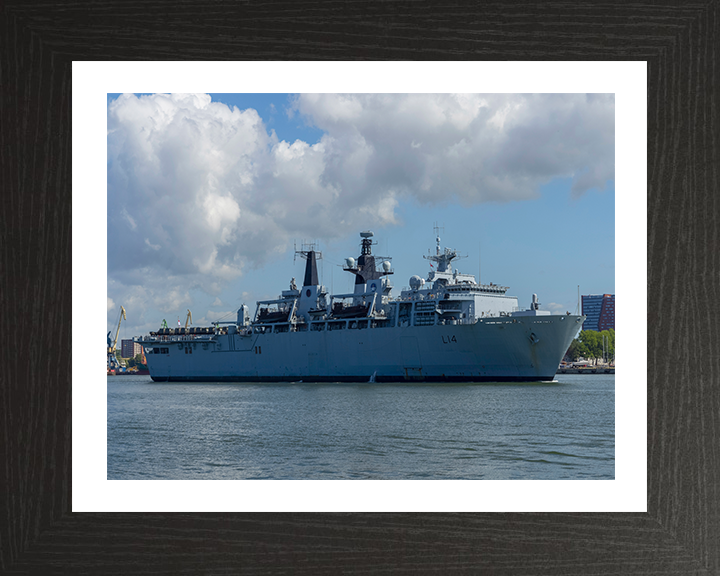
point(656, 512)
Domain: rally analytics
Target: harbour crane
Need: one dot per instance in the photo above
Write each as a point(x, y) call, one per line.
point(117, 332)
point(112, 361)
point(188, 319)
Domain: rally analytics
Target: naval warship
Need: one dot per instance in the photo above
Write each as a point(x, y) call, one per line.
point(446, 327)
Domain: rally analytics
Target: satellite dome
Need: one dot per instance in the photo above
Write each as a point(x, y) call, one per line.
point(416, 282)
point(386, 266)
point(350, 262)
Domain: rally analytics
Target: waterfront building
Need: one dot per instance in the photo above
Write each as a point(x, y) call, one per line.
point(130, 349)
point(600, 312)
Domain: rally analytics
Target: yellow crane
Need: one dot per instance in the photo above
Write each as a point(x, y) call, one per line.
point(122, 317)
point(112, 363)
point(188, 319)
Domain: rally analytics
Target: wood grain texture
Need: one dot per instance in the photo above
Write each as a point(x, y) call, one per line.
point(679, 535)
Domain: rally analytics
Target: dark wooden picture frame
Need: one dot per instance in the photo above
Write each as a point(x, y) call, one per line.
point(680, 533)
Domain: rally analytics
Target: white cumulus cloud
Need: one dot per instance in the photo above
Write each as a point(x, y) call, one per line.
point(474, 148)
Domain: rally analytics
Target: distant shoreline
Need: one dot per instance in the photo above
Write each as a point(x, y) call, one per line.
point(589, 370)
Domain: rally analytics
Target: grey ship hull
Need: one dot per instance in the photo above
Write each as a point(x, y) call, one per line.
point(527, 348)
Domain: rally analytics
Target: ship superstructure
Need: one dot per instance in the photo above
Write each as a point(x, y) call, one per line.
point(446, 327)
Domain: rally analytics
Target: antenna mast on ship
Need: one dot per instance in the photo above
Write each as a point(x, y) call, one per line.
point(437, 229)
point(443, 258)
point(364, 267)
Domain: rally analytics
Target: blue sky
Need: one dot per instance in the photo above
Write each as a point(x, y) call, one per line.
point(205, 201)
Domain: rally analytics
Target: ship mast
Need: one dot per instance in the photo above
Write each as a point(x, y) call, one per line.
point(442, 258)
point(364, 268)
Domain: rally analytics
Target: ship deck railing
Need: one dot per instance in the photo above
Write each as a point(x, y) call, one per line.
point(421, 318)
point(175, 338)
point(330, 324)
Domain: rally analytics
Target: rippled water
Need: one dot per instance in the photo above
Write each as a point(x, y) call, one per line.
point(561, 430)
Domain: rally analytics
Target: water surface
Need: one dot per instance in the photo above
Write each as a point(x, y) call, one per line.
point(498, 431)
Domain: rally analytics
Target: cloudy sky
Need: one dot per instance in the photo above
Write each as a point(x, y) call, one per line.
point(208, 193)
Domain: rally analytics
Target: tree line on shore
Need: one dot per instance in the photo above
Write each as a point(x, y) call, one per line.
point(589, 345)
point(137, 360)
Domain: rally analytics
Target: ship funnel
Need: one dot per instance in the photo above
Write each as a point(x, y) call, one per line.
point(311, 275)
point(310, 255)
